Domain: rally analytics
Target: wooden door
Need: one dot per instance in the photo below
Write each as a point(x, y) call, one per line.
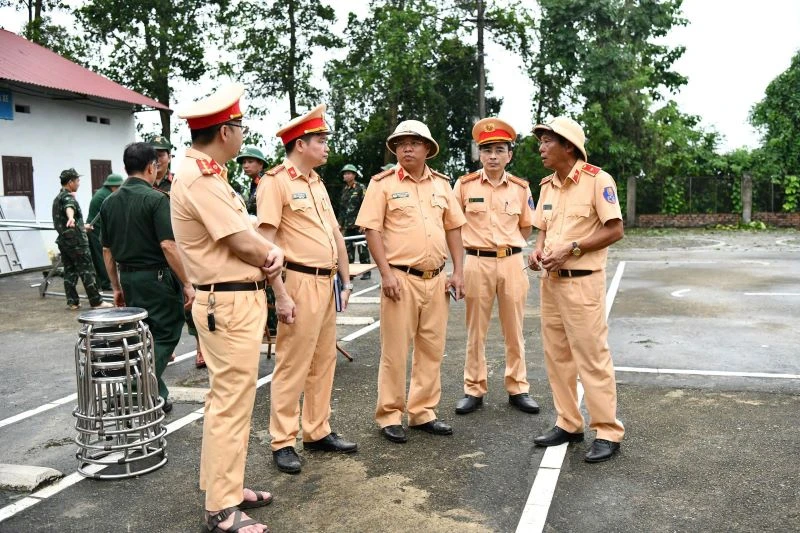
point(18, 177)
point(100, 171)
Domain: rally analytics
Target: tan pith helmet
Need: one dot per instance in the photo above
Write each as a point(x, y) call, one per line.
point(412, 128)
point(567, 128)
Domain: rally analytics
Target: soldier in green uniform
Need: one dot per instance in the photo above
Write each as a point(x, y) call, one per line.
point(93, 228)
point(164, 150)
point(74, 244)
point(142, 258)
point(254, 165)
point(349, 204)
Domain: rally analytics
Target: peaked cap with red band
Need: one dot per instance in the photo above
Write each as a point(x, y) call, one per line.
point(493, 130)
point(311, 122)
point(214, 109)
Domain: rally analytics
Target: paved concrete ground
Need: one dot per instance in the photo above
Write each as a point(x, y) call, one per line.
point(702, 453)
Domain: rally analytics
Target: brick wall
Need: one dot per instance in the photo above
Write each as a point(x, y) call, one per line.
point(699, 220)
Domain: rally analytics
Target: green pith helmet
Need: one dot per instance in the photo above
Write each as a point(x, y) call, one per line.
point(350, 168)
point(113, 180)
point(387, 166)
point(159, 142)
point(253, 153)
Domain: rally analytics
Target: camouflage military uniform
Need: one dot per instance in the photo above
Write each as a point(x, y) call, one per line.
point(165, 185)
point(74, 247)
point(349, 204)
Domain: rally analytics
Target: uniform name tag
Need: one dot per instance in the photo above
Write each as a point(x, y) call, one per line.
point(299, 196)
point(397, 195)
point(475, 200)
point(548, 206)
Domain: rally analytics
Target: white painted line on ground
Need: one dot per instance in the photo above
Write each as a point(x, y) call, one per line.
point(368, 289)
point(364, 300)
point(755, 262)
point(10, 510)
point(613, 288)
point(772, 294)
point(680, 293)
point(668, 262)
point(784, 242)
point(354, 320)
point(181, 358)
point(690, 372)
point(363, 331)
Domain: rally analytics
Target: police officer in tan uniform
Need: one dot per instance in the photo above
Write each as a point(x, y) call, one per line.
point(499, 212)
point(295, 211)
point(411, 219)
point(578, 217)
point(227, 261)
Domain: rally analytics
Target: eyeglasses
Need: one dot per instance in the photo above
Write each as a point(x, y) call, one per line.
point(245, 129)
point(413, 144)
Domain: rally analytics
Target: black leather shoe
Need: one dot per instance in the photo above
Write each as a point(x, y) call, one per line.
point(557, 436)
point(467, 404)
point(331, 443)
point(601, 450)
point(394, 433)
point(287, 460)
point(167, 407)
point(436, 427)
point(523, 402)
point(366, 275)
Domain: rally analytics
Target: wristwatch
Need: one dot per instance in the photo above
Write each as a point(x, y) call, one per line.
point(347, 286)
point(576, 250)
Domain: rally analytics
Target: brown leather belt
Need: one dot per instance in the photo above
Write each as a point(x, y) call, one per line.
point(424, 274)
point(328, 272)
point(231, 286)
point(500, 252)
point(570, 273)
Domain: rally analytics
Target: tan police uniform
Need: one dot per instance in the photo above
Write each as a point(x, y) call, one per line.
point(574, 327)
point(206, 209)
point(494, 268)
point(412, 216)
point(305, 361)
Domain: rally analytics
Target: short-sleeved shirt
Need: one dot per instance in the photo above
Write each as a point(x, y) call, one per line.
point(412, 216)
point(573, 209)
point(300, 208)
point(76, 235)
point(205, 209)
point(135, 221)
point(495, 213)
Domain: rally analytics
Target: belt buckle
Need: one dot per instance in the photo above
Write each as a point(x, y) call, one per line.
point(503, 252)
point(554, 273)
point(428, 274)
point(333, 271)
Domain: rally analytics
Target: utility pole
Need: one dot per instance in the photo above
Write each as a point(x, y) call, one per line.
point(481, 68)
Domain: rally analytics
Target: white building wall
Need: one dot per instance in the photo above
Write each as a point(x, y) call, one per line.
point(56, 136)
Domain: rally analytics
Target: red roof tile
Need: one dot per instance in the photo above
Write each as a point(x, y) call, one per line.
point(26, 62)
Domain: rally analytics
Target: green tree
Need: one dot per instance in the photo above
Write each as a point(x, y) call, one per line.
point(153, 45)
point(40, 28)
point(276, 47)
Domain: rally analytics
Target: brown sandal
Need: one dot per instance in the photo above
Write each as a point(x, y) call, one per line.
point(213, 521)
point(260, 500)
point(199, 362)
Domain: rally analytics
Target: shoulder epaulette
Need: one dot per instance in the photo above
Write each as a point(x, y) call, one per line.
point(466, 178)
point(591, 169)
point(519, 181)
point(440, 175)
point(547, 179)
point(274, 171)
point(385, 174)
point(208, 168)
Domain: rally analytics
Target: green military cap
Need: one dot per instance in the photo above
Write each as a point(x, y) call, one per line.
point(387, 166)
point(350, 168)
point(159, 142)
point(69, 174)
point(252, 152)
point(113, 180)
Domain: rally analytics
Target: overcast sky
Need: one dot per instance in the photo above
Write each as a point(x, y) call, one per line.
point(734, 48)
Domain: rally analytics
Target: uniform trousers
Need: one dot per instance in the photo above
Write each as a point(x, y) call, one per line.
point(419, 317)
point(77, 263)
point(159, 293)
point(231, 352)
point(484, 279)
point(575, 338)
point(96, 249)
point(305, 362)
point(363, 251)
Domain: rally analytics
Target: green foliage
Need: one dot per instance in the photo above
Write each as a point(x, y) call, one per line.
point(791, 190)
point(152, 44)
point(754, 225)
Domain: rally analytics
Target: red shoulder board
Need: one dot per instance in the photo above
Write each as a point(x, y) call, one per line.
point(384, 174)
point(440, 175)
point(519, 181)
point(274, 171)
point(208, 168)
point(547, 179)
point(466, 178)
point(590, 169)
